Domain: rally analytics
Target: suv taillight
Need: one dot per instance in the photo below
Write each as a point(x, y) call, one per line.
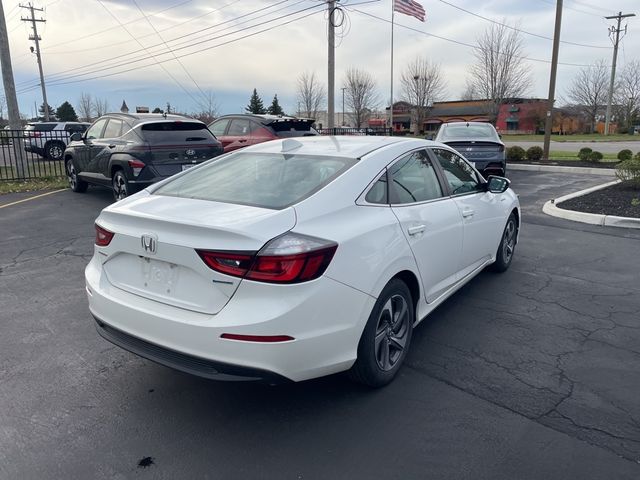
point(290, 258)
point(136, 167)
point(103, 236)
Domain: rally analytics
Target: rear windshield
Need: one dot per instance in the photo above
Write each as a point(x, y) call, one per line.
point(41, 127)
point(176, 132)
point(293, 129)
point(268, 180)
point(479, 132)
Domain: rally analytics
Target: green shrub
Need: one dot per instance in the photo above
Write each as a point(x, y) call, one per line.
point(534, 154)
point(515, 154)
point(628, 172)
point(637, 157)
point(595, 156)
point(584, 153)
point(625, 154)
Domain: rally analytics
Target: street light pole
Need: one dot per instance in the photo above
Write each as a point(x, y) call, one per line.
point(343, 89)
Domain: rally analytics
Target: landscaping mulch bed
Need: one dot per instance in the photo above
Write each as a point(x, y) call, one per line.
point(619, 200)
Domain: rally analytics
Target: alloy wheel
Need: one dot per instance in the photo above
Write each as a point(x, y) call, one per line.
point(71, 175)
point(392, 330)
point(119, 187)
point(509, 241)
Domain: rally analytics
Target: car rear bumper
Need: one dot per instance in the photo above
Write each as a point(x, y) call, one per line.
point(325, 318)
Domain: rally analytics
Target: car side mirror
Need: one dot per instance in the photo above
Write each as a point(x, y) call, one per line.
point(75, 137)
point(497, 184)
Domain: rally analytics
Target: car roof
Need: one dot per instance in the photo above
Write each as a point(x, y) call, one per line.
point(264, 118)
point(150, 117)
point(336, 146)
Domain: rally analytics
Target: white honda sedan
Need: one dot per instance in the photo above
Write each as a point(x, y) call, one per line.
point(297, 258)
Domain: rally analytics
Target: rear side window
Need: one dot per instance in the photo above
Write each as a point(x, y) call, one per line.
point(413, 179)
point(71, 128)
point(268, 180)
point(114, 128)
point(176, 132)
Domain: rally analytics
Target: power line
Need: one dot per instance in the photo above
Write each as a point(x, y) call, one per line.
point(574, 9)
point(458, 42)
point(519, 29)
point(176, 81)
point(301, 17)
point(169, 48)
point(119, 58)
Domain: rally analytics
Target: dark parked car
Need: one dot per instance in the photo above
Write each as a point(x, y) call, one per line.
point(478, 142)
point(131, 151)
point(242, 130)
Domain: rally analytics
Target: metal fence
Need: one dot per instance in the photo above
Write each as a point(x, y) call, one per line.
point(31, 154)
point(380, 131)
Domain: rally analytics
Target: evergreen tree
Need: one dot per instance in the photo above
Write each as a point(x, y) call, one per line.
point(52, 113)
point(66, 113)
point(275, 108)
point(255, 104)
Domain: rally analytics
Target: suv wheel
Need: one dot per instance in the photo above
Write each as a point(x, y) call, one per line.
point(54, 150)
point(120, 185)
point(75, 183)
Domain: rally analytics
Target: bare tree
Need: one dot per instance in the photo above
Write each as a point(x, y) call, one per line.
point(422, 84)
point(628, 93)
point(85, 107)
point(100, 106)
point(469, 92)
point(500, 71)
point(209, 108)
point(311, 94)
point(589, 90)
point(360, 95)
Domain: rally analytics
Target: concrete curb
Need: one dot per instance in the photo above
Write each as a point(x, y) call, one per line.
point(608, 172)
point(550, 208)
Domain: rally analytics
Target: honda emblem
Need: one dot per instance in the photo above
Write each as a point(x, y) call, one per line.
point(149, 243)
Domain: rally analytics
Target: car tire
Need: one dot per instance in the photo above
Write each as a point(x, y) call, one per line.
point(507, 246)
point(76, 185)
point(120, 185)
point(386, 337)
point(54, 150)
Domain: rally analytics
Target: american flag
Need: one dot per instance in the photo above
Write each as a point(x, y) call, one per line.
point(409, 7)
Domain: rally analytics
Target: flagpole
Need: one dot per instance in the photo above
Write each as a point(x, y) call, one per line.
point(391, 107)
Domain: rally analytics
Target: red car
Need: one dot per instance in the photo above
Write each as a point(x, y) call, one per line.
point(242, 130)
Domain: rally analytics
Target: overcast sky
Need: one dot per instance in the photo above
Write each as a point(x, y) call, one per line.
point(81, 38)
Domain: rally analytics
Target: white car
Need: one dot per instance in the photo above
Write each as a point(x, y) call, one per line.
point(49, 139)
point(297, 258)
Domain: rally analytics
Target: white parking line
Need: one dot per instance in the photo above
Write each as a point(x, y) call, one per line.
point(32, 198)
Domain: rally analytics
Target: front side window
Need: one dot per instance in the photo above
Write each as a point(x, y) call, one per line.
point(460, 176)
point(413, 179)
point(96, 129)
point(267, 180)
point(218, 128)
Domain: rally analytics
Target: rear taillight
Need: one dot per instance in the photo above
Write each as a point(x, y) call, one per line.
point(103, 236)
point(291, 258)
point(136, 166)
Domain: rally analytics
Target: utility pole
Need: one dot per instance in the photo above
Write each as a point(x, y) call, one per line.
point(36, 38)
point(331, 7)
point(548, 123)
point(10, 90)
point(612, 31)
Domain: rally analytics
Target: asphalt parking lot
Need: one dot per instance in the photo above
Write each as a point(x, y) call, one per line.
point(531, 374)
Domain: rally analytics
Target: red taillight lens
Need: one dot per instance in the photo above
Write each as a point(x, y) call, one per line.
point(103, 237)
point(234, 264)
point(291, 258)
point(136, 164)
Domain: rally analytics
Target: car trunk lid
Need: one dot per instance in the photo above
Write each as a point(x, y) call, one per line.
point(477, 150)
point(153, 252)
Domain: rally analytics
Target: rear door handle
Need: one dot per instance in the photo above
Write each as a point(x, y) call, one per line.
point(242, 140)
point(468, 213)
point(415, 230)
